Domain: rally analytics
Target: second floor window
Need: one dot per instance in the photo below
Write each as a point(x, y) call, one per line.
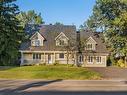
point(37, 42)
point(61, 42)
point(89, 47)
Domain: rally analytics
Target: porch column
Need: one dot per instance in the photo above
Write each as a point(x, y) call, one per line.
point(22, 58)
point(54, 57)
point(44, 57)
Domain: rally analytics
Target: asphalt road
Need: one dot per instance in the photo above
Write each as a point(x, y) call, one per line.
point(63, 87)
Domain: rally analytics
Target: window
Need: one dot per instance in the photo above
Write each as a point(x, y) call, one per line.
point(98, 59)
point(37, 42)
point(90, 59)
point(36, 56)
point(89, 46)
point(61, 42)
point(61, 55)
point(80, 58)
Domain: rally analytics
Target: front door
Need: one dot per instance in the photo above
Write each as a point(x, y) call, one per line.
point(49, 59)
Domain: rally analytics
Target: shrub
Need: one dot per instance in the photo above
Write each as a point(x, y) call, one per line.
point(121, 63)
point(56, 63)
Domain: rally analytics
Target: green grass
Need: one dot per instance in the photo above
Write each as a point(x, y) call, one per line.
point(48, 72)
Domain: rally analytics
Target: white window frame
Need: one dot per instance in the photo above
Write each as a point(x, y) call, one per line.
point(37, 44)
point(98, 59)
point(37, 56)
point(90, 59)
point(89, 48)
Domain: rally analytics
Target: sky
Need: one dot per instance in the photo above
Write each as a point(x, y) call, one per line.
point(68, 12)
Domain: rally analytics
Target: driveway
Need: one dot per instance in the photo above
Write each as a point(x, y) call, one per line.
point(111, 72)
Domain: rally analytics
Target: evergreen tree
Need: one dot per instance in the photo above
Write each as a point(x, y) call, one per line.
point(11, 33)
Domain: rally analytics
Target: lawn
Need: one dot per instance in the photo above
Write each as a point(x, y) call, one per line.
point(48, 72)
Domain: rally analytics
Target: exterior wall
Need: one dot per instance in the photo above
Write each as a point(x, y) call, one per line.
point(27, 58)
point(103, 62)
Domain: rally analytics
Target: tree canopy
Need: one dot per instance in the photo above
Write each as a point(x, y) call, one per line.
point(30, 17)
point(11, 33)
point(110, 16)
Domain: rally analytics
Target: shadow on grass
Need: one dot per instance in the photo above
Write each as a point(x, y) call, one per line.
point(2, 68)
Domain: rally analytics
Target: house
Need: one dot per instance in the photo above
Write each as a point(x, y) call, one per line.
point(60, 43)
point(94, 53)
point(48, 45)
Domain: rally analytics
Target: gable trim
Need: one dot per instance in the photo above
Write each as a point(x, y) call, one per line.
point(60, 35)
point(35, 34)
point(92, 39)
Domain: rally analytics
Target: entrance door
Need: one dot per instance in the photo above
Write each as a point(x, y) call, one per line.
point(49, 59)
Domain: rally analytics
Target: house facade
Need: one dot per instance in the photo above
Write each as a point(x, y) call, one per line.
point(60, 44)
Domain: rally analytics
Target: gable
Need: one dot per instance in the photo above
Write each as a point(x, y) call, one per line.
point(61, 39)
point(37, 39)
point(91, 40)
point(61, 36)
point(36, 35)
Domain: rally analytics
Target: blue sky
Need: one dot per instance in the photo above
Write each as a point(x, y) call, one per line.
point(67, 12)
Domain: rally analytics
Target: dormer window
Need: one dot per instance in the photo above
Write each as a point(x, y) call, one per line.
point(91, 44)
point(37, 39)
point(37, 42)
point(61, 40)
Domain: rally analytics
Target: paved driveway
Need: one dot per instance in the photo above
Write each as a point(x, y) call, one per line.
point(111, 72)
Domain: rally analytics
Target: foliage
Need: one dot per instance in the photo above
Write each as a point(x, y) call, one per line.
point(121, 63)
point(30, 17)
point(110, 16)
point(48, 72)
point(30, 21)
point(56, 63)
point(11, 33)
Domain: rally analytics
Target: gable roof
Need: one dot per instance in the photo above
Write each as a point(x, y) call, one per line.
point(50, 32)
point(97, 36)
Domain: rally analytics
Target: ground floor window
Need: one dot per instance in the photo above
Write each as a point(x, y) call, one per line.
point(98, 59)
point(36, 56)
point(90, 59)
point(61, 55)
point(80, 58)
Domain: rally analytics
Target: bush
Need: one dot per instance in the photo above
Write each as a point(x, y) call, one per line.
point(56, 63)
point(121, 63)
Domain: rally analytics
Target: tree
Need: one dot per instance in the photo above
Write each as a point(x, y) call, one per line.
point(30, 21)
point(111, 17)
point(11, 33)
point(70, 50)
point(30, 17)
